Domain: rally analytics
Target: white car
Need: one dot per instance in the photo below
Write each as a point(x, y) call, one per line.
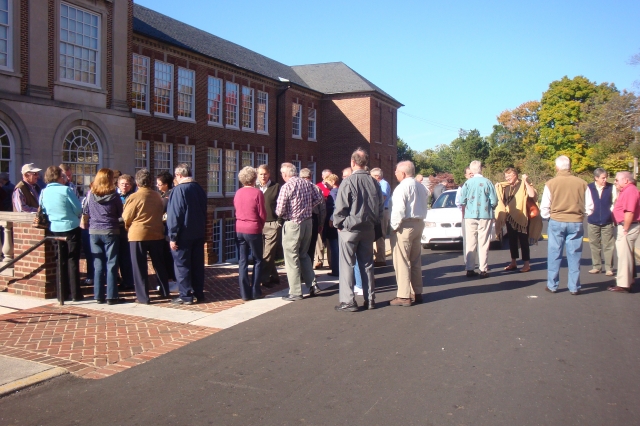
point(443, 224)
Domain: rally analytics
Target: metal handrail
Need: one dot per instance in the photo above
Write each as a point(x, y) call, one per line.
point(35, 246)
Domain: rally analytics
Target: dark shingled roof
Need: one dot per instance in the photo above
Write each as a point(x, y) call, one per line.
point(161, 27)
point(336, 77)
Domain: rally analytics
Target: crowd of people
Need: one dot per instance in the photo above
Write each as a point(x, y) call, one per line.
point(122, 220)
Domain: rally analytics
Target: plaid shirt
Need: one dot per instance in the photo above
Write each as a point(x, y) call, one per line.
point(297, 199)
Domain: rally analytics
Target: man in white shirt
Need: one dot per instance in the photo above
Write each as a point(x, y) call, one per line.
point(408, 211)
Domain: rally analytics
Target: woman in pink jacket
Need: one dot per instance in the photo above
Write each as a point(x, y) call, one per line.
point(250, 217)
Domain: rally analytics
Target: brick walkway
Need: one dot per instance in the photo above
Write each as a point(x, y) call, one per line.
point(96, 344)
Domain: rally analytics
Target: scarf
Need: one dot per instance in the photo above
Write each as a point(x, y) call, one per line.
point(512, 209)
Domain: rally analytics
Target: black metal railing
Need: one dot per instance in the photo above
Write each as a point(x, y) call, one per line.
point(62, 258)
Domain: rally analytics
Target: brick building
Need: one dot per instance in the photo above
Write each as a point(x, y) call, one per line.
point(107, 83)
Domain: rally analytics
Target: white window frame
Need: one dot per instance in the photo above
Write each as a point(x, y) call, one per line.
point(9, 26)
point(262, 158)
point(10, 161)
point(187, 157)
point(83, 171)
point(247, 92)
point(157, 169)
point(231, 108)
point(211, 94)
point(312, 166)
point(81, 47)
point(145, 85)
point(187, 74)
point(262, 117)
point(231, 175)
point(311, 118)
point(247, 155)
point(156, 88)
point(142, 160)
point(211, 152)
point(296, 119)
point(298, 165)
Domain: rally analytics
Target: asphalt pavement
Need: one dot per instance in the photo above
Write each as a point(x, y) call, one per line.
point(494, 351)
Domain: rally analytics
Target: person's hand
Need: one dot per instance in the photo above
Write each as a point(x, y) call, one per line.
point(525, 178)
point(173, 245)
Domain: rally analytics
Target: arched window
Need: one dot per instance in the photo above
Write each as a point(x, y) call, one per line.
point(81, 151)
point(6, 157)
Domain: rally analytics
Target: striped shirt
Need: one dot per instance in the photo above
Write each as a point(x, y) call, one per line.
point(297, 199)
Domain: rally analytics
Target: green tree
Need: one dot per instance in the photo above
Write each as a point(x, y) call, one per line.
point(467, 147)
point(405, 153)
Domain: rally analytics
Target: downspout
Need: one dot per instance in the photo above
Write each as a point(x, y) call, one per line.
point(283, 90)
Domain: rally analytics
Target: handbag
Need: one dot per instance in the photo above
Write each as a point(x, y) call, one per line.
point(532, 208)
point(41, 221)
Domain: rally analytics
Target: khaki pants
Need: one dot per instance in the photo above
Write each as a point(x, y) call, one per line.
point(295, 244)
point(319, 254)
point(406, 257)
point(626, 260)
point(601, 241)
point(380, 245)
point(477, 234)
point(271, 234)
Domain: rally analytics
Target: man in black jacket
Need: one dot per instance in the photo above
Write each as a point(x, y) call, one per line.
point(271, 230)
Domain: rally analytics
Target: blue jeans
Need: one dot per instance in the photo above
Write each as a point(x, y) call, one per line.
point(105, 250)
point(335, 256)
point(188, 264)
point(561, 233)
point(358, 276)
point(86, 248)
point(249, 288)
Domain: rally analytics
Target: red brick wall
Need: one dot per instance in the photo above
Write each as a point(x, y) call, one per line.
point(24, 45)
point(35, 274)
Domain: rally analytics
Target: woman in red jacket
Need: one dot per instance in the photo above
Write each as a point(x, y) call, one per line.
point(250, 217)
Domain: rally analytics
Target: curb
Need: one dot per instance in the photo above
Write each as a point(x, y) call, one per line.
point(17, 385)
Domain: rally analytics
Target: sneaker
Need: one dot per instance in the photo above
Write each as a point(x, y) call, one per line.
point(347, 307)
point(179, 301)
point(357, 291)
point(399, 301)
point(291, 297)
point(314, 291)
point(483, 274)
point(472, 274)
point(594, 271)
point(609, 273)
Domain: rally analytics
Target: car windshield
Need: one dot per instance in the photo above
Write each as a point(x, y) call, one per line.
point(445, 201)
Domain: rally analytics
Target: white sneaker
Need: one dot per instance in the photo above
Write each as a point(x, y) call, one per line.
point(357, 291)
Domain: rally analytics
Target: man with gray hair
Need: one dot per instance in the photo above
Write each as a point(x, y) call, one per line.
point(626, 213)
point(359, 208)
point(408, 211)
point(600, 222)
point(380, 259)
point(295, 205)
point(565, 200)
point(186, 226)
point(478, 198)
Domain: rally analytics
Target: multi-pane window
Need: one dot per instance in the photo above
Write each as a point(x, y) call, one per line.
point(312, 124)
point(214, 171)
point(163, 157)
point(187, 155)
point(230, 171)
point(142, 155)
point(247, 108)
point(312, 167)
point(214, 100)
point(297, 120)
point(163, 88)
point(247, 159)
point(5, 150)
point(263, 112)
point(230, 246)
point(81, 151)
point(186, 93)
point(231, 101)
point(262, 158)
point(298, 165)
point(79, 41)
point(140, 83)
point(6, 41)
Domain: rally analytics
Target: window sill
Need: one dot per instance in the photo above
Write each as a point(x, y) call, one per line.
point(248, 130)
point(141, 112)
point(232, 127)
point(164, 116)
point(296, 137)
point(215, 195)
point(379, 143)
point(214, 124)
point(262, 133)
point(312, 140)
point(10, 71)
point(186, 120)
point(229, 194)
point(80, 85)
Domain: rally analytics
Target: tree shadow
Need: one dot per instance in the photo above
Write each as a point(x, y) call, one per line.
point(478, 289)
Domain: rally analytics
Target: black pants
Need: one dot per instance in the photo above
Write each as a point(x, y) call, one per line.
point(515, 236)
point(139, 250)
point(314, 237)
point(188, 263)
point(70, 270)
point(168, 260)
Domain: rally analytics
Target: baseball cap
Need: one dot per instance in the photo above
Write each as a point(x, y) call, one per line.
point(30, 167)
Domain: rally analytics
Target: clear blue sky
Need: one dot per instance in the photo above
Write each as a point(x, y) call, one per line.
point(453, 64)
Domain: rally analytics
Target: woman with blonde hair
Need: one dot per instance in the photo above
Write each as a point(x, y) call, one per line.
point(104, 209)
point(512, 210)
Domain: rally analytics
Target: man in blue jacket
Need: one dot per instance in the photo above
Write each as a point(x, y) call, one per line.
point(186, 223)
point(600, 222)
